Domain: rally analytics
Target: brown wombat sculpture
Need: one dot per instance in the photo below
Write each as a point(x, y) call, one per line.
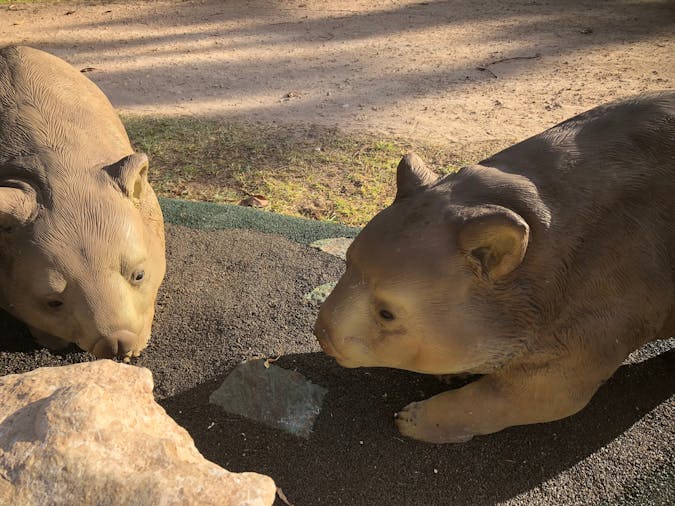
point(540, 268)
point(81, 231)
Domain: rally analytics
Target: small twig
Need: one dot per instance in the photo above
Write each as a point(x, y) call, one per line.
point(283, 497)
point(502, 60)
point(361, 150)
point(485, 69)
point(270, 360)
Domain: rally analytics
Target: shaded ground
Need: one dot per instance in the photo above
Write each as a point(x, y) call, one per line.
point(234, 294)
point(459, 71)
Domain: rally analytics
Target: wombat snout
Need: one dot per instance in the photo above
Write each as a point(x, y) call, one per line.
point(118, 344)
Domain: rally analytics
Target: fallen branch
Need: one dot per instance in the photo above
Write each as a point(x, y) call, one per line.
point(270, 360)
point(502, 60)
point(283, 497)
point(484, 68)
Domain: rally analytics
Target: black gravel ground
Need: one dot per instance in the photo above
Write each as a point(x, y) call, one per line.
point(232, 295)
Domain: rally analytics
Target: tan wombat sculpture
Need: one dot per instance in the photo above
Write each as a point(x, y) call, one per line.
point(81, 231)
point(541, 268)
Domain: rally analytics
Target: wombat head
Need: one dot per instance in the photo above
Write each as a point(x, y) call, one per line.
point(85, 259)
point(420, 281)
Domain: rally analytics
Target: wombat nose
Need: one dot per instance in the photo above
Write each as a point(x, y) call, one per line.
point(116, 344)
point(126, 341)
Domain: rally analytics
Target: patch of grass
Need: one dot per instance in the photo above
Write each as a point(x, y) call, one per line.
point(308, 171)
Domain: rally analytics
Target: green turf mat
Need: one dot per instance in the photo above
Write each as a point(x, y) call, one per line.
point(210, 216)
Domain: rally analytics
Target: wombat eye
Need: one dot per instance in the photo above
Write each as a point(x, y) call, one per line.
point(386, 315)
point(137, 276)
point(53, 304)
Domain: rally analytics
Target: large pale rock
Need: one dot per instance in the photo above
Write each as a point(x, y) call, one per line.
point(92, 434)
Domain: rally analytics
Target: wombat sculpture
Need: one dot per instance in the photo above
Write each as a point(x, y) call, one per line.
point(541, 269)
point(81, 231)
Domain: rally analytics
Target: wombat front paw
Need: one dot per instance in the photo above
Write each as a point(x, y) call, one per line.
point(417, 421)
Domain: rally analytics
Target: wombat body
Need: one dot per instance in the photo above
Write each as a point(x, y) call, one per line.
point(541, 268)
point(81, 232)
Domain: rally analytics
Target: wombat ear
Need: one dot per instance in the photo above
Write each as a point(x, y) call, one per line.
point(130, 174)
point(412, 175)
point(494, 241)
point(18, 206)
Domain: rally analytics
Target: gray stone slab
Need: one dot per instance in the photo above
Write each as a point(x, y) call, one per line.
point(271, 395)
point(320, 293)
point(336, 246)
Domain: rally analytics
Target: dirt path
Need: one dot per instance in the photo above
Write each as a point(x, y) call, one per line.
point(460, 71)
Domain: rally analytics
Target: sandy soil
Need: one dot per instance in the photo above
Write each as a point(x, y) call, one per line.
point(460, 71)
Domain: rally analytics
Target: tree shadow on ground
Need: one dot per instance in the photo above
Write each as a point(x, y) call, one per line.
point(218, 37)
point(355, 455)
